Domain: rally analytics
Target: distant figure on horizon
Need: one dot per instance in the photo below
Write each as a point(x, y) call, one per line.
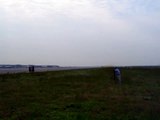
point(31, 68)
point(117, 75)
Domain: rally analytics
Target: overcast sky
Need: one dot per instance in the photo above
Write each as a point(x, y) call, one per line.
point(80, 32)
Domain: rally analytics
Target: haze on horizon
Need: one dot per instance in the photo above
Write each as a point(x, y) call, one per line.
point(80, 32)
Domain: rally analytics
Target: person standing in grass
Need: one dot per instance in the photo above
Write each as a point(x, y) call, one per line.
point(31, 68)
point(117, 75)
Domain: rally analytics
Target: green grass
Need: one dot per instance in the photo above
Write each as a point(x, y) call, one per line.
point(81, 95)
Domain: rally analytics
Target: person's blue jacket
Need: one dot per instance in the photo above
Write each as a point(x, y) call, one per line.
point(117, 71)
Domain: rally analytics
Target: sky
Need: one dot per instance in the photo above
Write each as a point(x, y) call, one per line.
point(80, 32)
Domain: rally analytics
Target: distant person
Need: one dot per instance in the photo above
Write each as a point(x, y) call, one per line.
point(31, 68)
point(117, 75)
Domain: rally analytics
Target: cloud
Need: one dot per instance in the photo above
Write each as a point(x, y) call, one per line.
point(79, 8)
point(96, 32)
point(133, 7)
point(50, 9)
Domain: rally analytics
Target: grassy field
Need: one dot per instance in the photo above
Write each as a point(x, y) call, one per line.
point(81, 95)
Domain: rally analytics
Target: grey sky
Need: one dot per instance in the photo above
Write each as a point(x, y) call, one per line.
point(80, 32)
